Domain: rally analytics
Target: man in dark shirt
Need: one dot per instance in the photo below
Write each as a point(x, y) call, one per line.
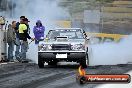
point(17, 53)
point(23, 36)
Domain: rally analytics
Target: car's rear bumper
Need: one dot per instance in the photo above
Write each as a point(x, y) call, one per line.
point(75, 56)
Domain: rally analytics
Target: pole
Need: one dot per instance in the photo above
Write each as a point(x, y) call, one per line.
point(0, 43)
point(2, 53)
point(102, 18)
point(5, 47)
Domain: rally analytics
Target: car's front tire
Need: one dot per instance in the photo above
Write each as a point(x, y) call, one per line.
point(84, 62)
point(40, 63)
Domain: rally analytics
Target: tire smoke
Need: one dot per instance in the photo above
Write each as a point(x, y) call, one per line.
point(47, 11)
point(111, 53)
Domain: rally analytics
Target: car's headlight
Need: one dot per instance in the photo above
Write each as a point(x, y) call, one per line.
point(78, 47)
point(45, 47)
point(49, 47)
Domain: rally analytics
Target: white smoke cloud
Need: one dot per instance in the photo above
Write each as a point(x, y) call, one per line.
point(112, 53)
point(44, 9)
point(47, 11)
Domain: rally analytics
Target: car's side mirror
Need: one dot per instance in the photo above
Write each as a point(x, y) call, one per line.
point(46, 39)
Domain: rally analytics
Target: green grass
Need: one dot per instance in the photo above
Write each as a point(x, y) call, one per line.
point(117, 9)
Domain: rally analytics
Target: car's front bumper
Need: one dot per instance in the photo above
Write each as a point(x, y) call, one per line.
point(75, 56)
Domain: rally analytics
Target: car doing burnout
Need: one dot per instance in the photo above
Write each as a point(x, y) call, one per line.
point(63, 45)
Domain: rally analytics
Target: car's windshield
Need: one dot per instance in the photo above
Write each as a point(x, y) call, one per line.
point(71, 34)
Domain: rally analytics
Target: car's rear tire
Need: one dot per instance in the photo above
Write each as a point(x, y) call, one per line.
point(40, 63)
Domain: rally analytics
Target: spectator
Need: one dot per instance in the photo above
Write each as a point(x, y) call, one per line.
point(17, 53)
point(23, 35)
point(11, 40)
point(38, 31)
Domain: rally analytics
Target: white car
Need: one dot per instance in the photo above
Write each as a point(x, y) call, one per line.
point(63, 44)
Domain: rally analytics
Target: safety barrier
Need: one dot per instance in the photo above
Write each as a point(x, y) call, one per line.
point(103, 37)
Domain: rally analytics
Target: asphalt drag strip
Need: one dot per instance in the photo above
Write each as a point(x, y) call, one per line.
point(28, 75)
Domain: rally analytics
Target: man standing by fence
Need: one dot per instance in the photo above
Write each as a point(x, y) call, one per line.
point(23, 35)
point(17, 53)
point(11, 39)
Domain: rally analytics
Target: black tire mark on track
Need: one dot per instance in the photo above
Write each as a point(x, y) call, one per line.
point(76, 85)
point(69, 85)
point(45, 80)
point(11, 73)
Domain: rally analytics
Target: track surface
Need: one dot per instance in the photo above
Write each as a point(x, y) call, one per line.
point(28, 75)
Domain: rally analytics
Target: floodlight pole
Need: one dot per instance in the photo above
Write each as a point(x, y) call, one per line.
point(101, 17)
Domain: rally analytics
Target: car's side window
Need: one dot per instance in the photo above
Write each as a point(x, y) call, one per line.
point(79, 34)
point(48, 35)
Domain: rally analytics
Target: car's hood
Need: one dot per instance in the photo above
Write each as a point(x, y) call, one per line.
point(70, 41)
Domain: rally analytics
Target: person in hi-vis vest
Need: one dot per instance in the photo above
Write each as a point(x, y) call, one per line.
point(23, 36)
